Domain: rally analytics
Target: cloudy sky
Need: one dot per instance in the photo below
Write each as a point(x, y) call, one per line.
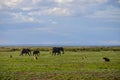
point(60, 22)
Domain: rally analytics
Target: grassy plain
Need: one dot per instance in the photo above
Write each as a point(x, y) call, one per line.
point(70, 66)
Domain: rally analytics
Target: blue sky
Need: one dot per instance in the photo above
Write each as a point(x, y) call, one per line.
point(60, 22)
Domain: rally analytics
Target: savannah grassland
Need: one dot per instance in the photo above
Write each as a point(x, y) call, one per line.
point(70, 66)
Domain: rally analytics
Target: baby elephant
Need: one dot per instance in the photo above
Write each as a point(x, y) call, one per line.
point(106, 59)
point(36, 52)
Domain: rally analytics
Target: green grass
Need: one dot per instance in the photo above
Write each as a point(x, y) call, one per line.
point(70, 66)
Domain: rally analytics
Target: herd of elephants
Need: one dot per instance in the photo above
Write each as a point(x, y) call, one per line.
point(55, 51)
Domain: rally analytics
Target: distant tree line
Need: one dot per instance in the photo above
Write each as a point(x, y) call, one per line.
point(72, 49)
point(93, 49)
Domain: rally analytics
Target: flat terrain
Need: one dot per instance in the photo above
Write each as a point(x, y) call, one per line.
point(81, 65)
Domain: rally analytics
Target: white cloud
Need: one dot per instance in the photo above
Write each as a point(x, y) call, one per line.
point(29, 15)
point(80, 1)
point(56, 11)
point(36, 1)
point(32, 4)
point(19, 17)
point(59, 11)
point(63, 1)
point(32, 9)
point(29, 5)
point(77, 7)
point(20, 4)
point(26, 8)
point(11, 3)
